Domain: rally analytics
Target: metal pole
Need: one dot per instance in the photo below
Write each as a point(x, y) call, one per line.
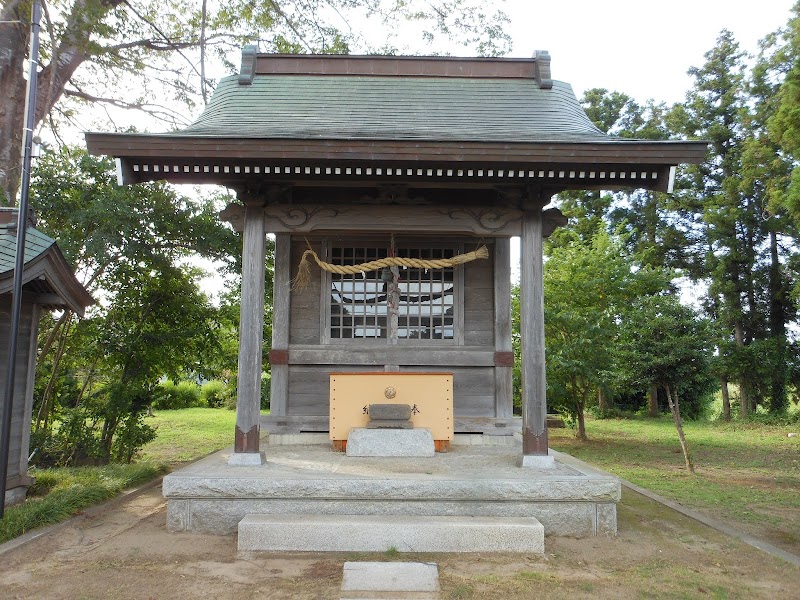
point(19, 265)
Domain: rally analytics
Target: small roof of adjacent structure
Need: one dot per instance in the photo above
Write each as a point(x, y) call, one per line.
point(435, 117)
point(46, 274)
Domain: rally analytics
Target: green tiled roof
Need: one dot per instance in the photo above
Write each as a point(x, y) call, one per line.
point(343, 107)
point(36, 244)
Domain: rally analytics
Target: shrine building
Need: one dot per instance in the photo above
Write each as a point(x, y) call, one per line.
point(375, 160)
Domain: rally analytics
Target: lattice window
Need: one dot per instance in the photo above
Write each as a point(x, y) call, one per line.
point(362, 305)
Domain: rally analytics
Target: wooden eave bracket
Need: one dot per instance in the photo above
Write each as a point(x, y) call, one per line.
point(234, 214)
point(541, 69)
point(551, 219)
point(248, 70)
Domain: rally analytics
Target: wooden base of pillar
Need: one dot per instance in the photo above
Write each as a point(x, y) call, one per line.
point(533, 444)
point(247, 441)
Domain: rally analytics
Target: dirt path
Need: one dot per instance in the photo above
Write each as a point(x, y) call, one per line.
point(124, 551)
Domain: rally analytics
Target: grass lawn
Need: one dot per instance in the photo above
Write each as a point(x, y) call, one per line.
point(746, 472)
point(59, 493)
point(189, 433)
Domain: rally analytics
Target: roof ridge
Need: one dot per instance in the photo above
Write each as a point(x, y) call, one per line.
point(254, 64)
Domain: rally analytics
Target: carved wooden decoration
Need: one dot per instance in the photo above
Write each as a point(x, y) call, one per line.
point(482, 221)
point(487, 221)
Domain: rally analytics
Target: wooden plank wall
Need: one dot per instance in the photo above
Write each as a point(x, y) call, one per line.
point(304, 311)
point(23, 385)
point(479, 300)
point(279, 392)
point(471, 363)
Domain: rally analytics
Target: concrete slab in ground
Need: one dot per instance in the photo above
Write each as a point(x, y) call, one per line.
point(390, 581)
point(390, 577)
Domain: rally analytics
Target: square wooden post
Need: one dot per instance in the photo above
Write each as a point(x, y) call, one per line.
point(251, 339)
point(504, 349)
point(534, 387)
point(279, 355)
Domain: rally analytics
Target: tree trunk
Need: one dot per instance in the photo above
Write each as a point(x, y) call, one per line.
point(653, 401)
point(580, 405)
point(73, 49)
point(777, 329)
point(674, 407)
point(581, 432)
point(744, 395)
point(602, 400)
point(107, 438)
point(14, 39)
point(46, 406)
point(52, 334)
point(726, 399)
point(744, 400)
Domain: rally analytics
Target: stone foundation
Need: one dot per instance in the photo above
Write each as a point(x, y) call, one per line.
point(570, 499)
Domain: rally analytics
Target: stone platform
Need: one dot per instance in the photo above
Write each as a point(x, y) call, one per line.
point(570, 498)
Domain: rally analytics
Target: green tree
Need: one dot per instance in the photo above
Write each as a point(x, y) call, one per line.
point(130, 246)
point(159, 325)
point(584, 287)
point(647, 218)
point(737, 208)
point(105, 229)
point(784, 122)
point(728, 223)
point(664, 342)
point(765, 176)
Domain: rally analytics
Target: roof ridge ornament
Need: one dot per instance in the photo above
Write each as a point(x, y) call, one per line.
point(248, 70)
point(541, 69)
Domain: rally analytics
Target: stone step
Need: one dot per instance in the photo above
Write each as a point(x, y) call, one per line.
point(378, 533)
point(391, 443)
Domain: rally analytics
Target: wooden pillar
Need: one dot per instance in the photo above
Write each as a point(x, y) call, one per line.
point(279, 355)
point(534, 403)
point(251, 339)
point(504, 351)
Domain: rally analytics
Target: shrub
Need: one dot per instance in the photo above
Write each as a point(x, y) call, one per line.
point(612, 412)
point(212, 393)
point(132, 433)
point(72, 441)
point(171, 396)
point(230, 393)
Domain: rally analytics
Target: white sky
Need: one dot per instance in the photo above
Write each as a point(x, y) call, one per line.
point(640, 47)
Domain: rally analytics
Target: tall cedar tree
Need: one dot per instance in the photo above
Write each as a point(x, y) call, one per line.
point(728, 222)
